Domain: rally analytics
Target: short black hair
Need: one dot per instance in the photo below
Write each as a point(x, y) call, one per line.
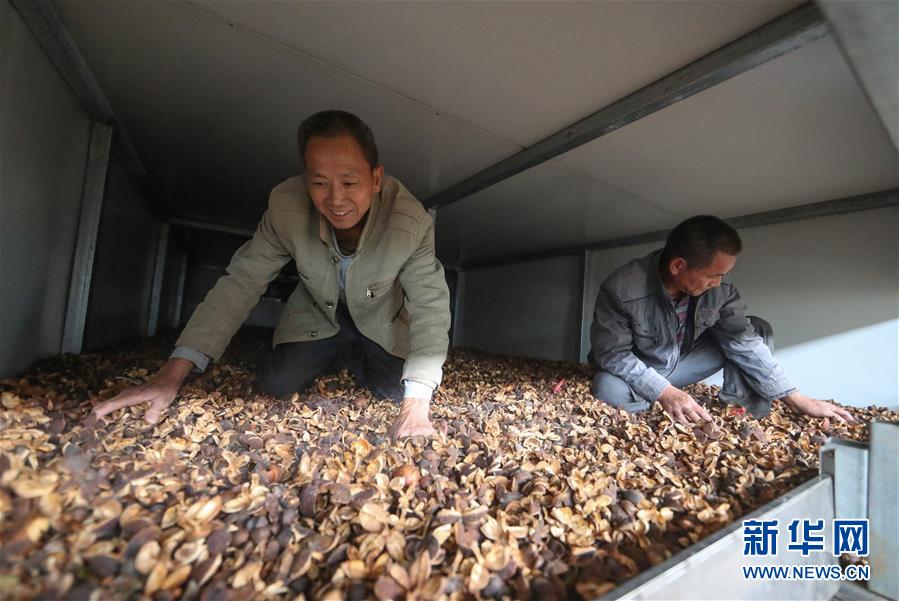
point(332, 123)
point(697, 239)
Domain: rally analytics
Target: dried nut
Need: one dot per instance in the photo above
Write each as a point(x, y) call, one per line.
point(156, 579)
point(448, 516)
point(246, 574)
point(103, 566)
point(373, 517)
point(205, 509)
point(205, 570)
point(218, 541)
point(189, 552)
point(147, 557)
point(32, 485)
point(176, 578)
point(386, 588)
point(409, 474)
point(235, 495)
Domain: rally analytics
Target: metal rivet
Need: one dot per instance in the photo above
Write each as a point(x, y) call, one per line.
point(312, 333)
point(329, 304)
point(334, 260)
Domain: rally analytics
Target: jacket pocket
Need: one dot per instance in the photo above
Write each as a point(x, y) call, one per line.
point(645, 337)
point(379, 289)
point(705, 318)
point(644, 327)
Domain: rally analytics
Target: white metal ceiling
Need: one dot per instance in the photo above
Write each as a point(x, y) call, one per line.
point(211, 94)
point(793, 131)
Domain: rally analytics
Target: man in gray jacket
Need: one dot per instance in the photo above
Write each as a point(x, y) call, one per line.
point(674, 318)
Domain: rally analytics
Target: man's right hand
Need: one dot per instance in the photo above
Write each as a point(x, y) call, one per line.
point(682, 406)
point(159, 391)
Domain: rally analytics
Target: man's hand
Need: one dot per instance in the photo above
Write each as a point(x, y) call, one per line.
point(159, 391)
point(682, 406)
point(800, 403)
point(413, 419)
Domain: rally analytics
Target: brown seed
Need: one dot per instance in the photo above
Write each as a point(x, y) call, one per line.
point(156, 578)
point(218, 540)
point(205, 570)
point(272, 549)
point(409, 474)
point(134, 526)
point(147, 557)
point(555, 500)
point(386, 588)
point(177, 577)
point(189, 552)
point(633, 496)
point(103, 565)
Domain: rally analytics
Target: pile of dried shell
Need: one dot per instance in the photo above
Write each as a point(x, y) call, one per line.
point(533, 489)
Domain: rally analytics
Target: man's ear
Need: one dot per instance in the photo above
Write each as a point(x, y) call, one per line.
point(377, 176)
point(677, 265)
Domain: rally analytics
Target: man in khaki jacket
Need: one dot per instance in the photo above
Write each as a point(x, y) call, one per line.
point(372, 291)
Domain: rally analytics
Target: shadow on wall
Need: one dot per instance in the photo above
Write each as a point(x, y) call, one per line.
point(858, 367)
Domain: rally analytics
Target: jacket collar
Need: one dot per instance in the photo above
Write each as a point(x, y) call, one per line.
point(650, 284)
point(654, 283)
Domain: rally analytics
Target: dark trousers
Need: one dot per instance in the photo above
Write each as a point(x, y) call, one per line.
point(293, 366)
point(702, 361)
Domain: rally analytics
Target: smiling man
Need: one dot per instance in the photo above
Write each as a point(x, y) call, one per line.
point(674, 318)
point(372, 294)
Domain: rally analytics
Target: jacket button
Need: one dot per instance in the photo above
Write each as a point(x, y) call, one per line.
point(368, 293)
point(312, 333)
point(329, 305)
point(334, 260)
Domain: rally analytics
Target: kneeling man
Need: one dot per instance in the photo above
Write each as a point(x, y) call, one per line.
point(674, 318)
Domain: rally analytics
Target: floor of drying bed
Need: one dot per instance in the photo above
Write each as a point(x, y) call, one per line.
point(531, 489)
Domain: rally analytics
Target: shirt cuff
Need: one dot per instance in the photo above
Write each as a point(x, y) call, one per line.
point(650, 385)
point(200, 360)
point(417, 390)
point(781, 395)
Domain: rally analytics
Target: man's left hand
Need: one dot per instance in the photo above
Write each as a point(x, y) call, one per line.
point(413, 420)
point(800, 403)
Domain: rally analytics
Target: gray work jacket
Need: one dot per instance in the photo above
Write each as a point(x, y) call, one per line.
point(634, 332)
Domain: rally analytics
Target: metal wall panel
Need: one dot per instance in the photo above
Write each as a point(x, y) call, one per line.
point(95, 176)
point(530, 309)
point(170, 279)
point(201, 279)
point(44, 134)
point(124, 265)
point(713, 567)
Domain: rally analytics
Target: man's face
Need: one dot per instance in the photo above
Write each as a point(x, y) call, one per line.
point(341, 182)
point(695, 281)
